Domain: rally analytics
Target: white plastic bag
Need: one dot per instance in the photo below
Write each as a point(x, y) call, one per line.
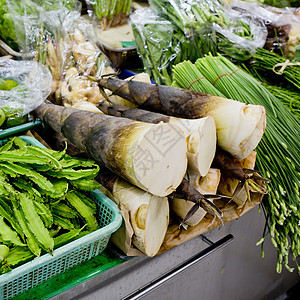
point(34, 86)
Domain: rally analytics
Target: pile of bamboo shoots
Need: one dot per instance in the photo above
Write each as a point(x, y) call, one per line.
point(170, 151)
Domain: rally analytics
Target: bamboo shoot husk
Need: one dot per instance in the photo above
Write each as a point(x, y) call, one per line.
point(205, 185)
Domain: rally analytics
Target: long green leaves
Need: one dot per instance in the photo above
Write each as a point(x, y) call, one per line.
point(266, 60)
point(278, 152)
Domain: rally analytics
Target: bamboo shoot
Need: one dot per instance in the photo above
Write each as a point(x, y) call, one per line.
point(149, 214)
point(150, 156)
point(200, 134)
point(239, 126)
point(205, 185)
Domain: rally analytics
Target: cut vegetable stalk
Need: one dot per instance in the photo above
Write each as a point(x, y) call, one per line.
point(200, 134)
point(239, 126)
point(149, 214)
point(150, 156)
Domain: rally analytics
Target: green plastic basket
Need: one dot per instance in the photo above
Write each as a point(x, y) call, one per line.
point(46, 266)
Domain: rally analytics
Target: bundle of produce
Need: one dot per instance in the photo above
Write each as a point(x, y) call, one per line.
point(110, 12)
point(150, 156)
point(21, 20)
point(277, 67)
point(277, 153)
point(43, 201)
point(81, 58)
point(59, 44)
point(156, 150)
point(194, 105)
point(280, 24)
point(239, 130)
point(184, 30)
point(289, 98)
point(71, 55)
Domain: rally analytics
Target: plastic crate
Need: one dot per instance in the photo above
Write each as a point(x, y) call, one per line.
point(46, 266)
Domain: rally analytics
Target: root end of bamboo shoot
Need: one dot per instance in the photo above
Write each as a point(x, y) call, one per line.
point(160, 159)
point(149, 216)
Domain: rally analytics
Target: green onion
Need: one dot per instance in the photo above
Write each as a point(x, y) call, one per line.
point(111, 12)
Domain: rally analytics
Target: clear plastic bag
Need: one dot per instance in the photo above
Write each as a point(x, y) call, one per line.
point(170, 32)
point(33, 17)
point(283, 25)
point(34, 85)
point(81, 60)
point(191, 16)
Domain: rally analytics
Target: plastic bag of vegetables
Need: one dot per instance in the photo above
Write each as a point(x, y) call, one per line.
point(22, 21)
point(173, 31)
point(24, 85)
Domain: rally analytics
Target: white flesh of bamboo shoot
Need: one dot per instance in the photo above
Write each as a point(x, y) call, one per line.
point(149, 216)
point(201, 142)
point(159, 158)
point(240, 127)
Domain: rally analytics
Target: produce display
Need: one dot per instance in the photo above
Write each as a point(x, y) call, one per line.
point(210, 128)
point(43, 200)
point(275, 65)
point(185, 30)
point(19, 16)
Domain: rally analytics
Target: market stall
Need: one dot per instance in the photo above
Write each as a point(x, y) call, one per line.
point(157, 138)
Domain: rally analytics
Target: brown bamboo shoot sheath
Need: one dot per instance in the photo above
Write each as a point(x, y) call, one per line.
point(204, 185)
point(150, 156)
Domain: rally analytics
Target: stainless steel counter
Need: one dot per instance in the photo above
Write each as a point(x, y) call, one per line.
point(235, 272)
